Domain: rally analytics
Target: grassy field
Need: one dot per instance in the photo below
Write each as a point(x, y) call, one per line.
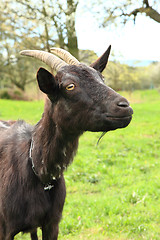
point(113, 189)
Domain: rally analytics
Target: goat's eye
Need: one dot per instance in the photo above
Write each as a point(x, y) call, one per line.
point(70, 87)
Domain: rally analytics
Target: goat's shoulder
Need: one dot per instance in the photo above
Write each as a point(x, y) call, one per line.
point(4, 125)
point(19, 130)
point(22, 129)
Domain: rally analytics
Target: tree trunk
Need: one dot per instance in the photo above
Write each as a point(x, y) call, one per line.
point(71, 30)
point(46, 27)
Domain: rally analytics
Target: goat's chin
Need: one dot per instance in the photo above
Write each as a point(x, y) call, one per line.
point(115, 122)
point(112, 123)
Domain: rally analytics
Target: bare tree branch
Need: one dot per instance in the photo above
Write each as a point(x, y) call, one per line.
point(149, 11)
point(112, 13)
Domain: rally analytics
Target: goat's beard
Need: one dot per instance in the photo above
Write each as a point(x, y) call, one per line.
point(99, 139)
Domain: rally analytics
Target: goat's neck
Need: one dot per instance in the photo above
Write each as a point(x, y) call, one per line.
point(53, 148)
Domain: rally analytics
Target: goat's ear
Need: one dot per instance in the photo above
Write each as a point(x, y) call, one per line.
point(46, 81)
point(101, 62)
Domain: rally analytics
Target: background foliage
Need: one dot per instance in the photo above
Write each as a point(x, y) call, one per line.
point(24, 24)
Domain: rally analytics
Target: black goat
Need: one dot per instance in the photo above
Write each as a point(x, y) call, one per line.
point(33, 158)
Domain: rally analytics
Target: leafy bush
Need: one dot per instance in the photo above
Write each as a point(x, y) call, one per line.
point(4, 94)
point(13, 95)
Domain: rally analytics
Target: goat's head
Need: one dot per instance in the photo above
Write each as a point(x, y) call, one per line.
point(80, 99)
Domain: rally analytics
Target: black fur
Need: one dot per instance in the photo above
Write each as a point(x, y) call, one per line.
point(90, 106)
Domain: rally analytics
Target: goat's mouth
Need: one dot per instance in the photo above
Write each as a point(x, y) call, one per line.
point(109, 123)
point(115, 118)
point(125, 116)
point(114, 122)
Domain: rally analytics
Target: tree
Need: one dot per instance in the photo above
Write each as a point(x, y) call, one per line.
point(122, 77)
point(71, 30)
point(154, 74)
point(126, 9)
point(26, 24)
point(52, 21)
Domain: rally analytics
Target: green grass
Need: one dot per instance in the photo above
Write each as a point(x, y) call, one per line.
point(113, 189)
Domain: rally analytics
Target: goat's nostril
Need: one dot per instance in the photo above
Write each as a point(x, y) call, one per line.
point(123, 104)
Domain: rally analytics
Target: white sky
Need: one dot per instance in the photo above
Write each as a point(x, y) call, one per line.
point(140, 41)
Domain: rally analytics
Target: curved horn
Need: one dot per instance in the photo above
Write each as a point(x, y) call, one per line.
point(66, 56)
point(48, 58)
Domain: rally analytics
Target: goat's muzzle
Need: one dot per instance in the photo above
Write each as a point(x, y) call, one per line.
point(119, 114)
